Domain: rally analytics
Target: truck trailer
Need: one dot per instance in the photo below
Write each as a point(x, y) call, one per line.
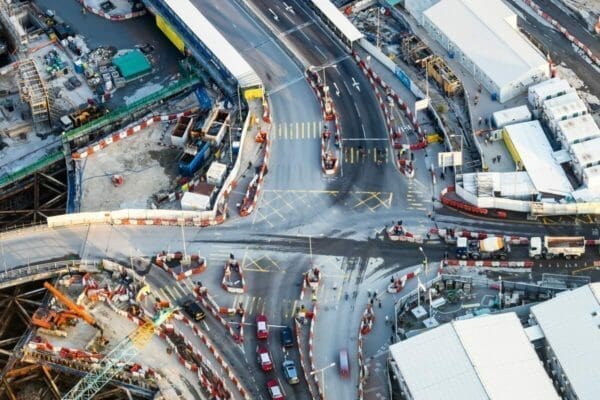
point(494, 248)
point(556, 246)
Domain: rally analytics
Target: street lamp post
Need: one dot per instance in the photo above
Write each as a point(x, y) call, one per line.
point(322, 371)
point(425, 264)
point(322, 68)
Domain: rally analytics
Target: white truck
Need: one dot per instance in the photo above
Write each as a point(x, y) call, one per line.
point(556, 246)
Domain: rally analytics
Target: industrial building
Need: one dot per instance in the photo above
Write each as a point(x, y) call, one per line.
point(466, 28)
point(488, 357)
point(585, 155)
point(577, 130)
point(511, 116)
point(546, 90)
point(530, 149)
point(569, 324)
point(561, 108)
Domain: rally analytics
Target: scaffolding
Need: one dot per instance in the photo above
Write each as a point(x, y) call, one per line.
point(414, 50)
point(443, 75)
point(33, 91)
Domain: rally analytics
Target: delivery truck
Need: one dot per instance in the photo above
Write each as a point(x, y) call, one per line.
point(494, 248)
point(556, 246)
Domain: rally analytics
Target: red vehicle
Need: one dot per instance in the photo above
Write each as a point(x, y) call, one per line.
point(262, 332)
point(264, 358)
point(275, 390)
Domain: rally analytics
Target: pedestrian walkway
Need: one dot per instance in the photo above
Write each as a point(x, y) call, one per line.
point(308, 130)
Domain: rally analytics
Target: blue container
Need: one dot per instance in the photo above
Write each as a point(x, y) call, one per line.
point(78, 66)
point(189, 164)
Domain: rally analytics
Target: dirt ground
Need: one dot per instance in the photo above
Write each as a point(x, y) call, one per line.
point(147, 164)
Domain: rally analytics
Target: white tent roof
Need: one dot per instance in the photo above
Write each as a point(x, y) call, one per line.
point(473, 24)
point(533, 148)
point(570, 324)
point(213, 40)
point(338, 19)
point(579, 129)
point(488, 357)
point(586, 153)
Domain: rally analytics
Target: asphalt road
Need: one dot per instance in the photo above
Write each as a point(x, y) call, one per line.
point(560, 48)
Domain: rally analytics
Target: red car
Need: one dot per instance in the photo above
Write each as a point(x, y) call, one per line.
point(262, 332)
point(275, 390)
point(264, 358)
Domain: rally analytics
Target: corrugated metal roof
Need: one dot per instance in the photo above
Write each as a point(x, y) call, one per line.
point(473, 25)
point(488, 357)
point(338, 19)
point(535, 152)
point(570, 324)
point(214, 40)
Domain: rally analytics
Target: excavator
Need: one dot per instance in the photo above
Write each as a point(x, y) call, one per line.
point(52, 321)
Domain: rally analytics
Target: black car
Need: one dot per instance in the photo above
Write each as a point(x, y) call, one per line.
point(287, 337)
point(194, 310)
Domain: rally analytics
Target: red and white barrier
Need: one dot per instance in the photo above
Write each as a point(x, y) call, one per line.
point(311, 359)
point(303, 365)
point(232, 266)
point(209, 303)
point(197, 264)
point(211, 347)
point(253, 192)
point(456, 233)
point(595, 58)
point(398, 284)
point(490, 263)
point(122, 134)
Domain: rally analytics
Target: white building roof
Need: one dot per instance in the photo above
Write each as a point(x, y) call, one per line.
point(586, 153)
point(579, 129)
point(511, 116)
point(338, 19)
point(570, 324)
point(473, 24)
point(488, 357)
point(592, 178)
point(550, 88)
point(561, 100)
point(533, 148)
point(509, 184)
point(213, 40)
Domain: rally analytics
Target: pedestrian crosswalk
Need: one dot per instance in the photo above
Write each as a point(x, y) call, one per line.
point(415, 197)
point(366, 155)
point(297, 131)
point(177, 290)
point(255, 305)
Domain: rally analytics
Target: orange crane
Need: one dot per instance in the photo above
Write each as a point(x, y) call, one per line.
point(46, 318)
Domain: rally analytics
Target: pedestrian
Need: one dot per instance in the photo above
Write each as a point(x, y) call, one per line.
point(494, 160)
point(442, 175)
point(392, 339)
point(372, 301)
point(480, 120)
point(379, 303)
point(387, 319)
point(499, 155)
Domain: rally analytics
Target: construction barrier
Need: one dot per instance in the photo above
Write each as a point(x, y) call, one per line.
point(211, 305)
point(211, 347)
point(112, 17)
point(227, 283)
point(489, 263)
point(199, 264)
point(588, 52)
point(311, 360)
point(330, 115)
point(253, 192)
point(122, 134)
point(459, 205)
point(212, 383)
point(398, 284)
point(303, 365)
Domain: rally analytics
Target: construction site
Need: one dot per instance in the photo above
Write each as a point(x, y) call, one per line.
point(64, 98)
point(94, 329)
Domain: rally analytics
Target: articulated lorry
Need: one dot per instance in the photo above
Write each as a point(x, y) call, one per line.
point(494, 248)
point(556, 246)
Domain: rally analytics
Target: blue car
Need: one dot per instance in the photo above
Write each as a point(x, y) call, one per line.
point(287, 337)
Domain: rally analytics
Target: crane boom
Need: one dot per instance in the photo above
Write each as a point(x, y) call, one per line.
point(117, 358)
point(70, 304)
